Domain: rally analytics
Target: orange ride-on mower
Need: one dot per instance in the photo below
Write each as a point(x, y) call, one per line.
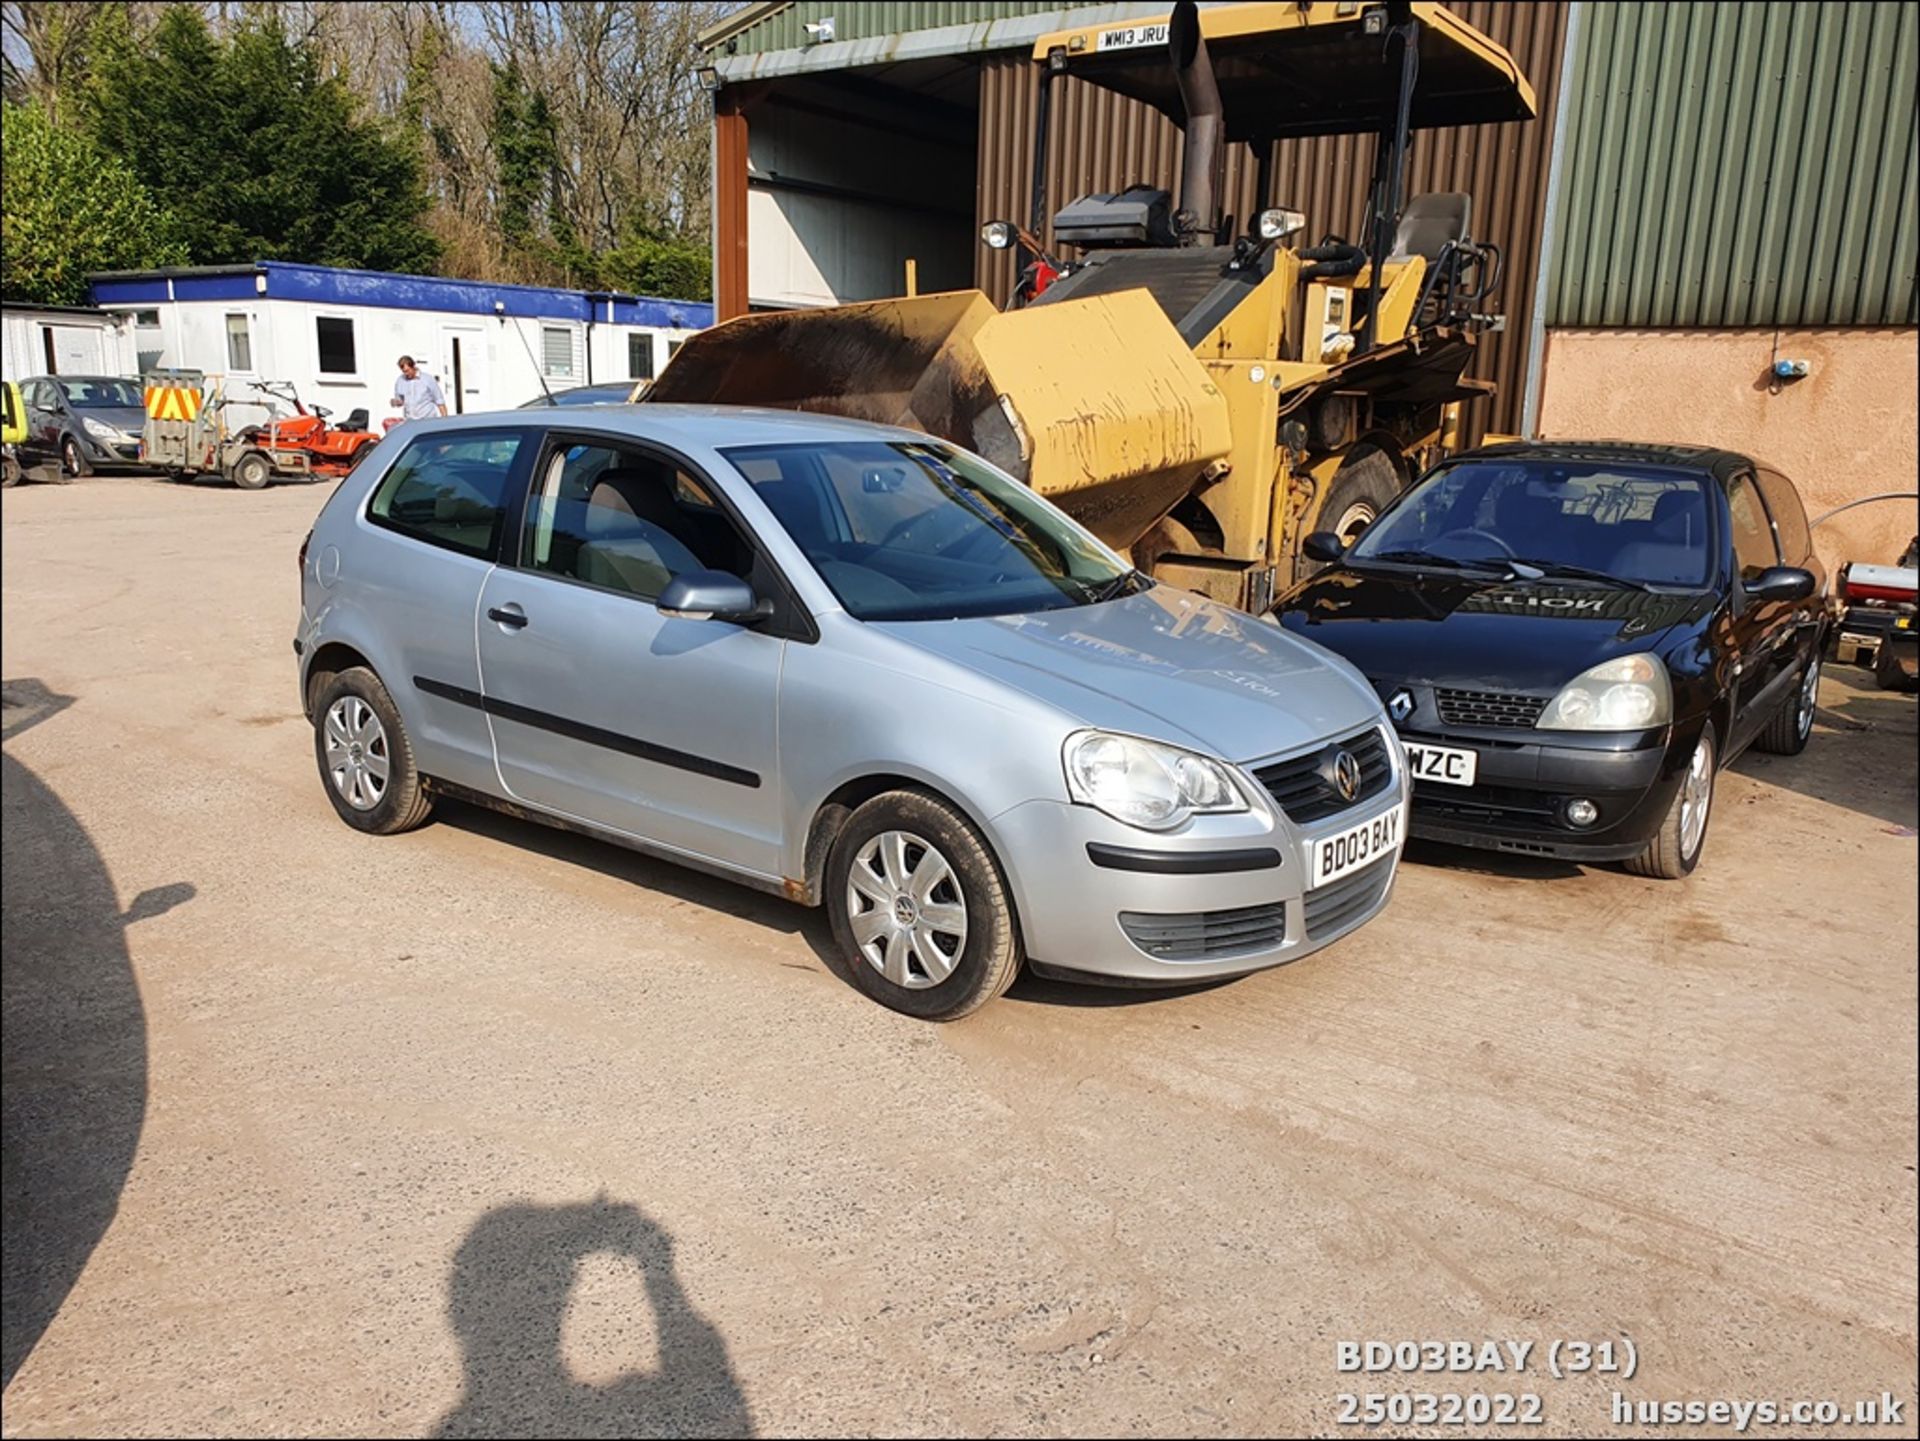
point(329, 451)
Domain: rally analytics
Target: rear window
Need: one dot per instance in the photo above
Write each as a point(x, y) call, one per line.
point(450, 490)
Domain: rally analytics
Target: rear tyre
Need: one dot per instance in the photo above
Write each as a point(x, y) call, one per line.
point(9, 472)
point(366, 761)
point(1675, 849)
point(1361, 489)
point(919, 909)
point(253, 471)
point(1792, 725)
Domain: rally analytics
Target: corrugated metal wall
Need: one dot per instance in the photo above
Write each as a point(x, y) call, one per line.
point(1100, 141)
point(785, 29)
point(1741, 165)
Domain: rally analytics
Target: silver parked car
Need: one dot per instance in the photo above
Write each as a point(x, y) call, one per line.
point(853, 666)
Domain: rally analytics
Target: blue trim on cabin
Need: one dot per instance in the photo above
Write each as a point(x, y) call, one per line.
point(326, 285)
point(129, 292)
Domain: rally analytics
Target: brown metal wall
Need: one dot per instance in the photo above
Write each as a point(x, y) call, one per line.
point(1100, 141)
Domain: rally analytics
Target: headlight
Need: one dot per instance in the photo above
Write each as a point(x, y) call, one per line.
point(101, 429)
point(1279, 224)
point(1628, 693)
point(1144, 783)
point(998, 234)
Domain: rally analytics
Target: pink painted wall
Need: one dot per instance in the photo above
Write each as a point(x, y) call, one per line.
point(1849, 430)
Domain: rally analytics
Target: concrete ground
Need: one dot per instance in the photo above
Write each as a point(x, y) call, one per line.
point(491, 1130)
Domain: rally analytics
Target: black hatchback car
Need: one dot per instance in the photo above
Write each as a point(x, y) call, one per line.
point(1574, 638)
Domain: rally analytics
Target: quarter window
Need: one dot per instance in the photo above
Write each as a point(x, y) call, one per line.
point(1753, 547)
point(335, 335)
point(450, 490)
point(239, 344)
point(624, 521)
point(1789, 517)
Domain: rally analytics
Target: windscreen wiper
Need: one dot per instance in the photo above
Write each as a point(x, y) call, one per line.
point(1557, 570)
point(1429, 558)
point(1121, 584)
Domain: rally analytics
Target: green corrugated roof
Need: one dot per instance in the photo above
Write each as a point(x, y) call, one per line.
point(783, 27)
point(1740, 165)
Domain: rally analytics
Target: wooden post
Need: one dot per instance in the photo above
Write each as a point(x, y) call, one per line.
point(913, 278)
point(729, 205)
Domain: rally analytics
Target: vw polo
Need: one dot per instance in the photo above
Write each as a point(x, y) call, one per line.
point(849, 665)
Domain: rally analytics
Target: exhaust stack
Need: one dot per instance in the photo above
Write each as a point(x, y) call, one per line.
point(1200, 97)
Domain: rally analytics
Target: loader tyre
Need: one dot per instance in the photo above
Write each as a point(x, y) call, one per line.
point(253, 471)
point(1361, 489)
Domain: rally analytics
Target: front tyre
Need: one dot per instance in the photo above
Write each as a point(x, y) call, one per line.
point(1675, 849)
point(366, 761)
point(919, 909)
point(1792, 725)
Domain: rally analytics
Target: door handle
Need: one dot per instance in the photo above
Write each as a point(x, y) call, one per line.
point(508, 615)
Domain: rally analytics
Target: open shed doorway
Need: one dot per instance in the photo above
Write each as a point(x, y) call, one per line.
point(853, 174)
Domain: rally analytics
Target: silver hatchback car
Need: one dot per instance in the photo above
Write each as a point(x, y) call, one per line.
point(852, 666)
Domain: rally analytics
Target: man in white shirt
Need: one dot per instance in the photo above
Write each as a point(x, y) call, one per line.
point(417, 396)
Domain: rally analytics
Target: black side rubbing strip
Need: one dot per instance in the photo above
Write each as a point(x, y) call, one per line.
point(591, 735)
point(1194, 863)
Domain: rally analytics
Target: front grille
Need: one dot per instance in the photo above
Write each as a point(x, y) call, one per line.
point(1303, 786)
point(1206, 935)
point(1495, 805)
point(1335, 906)
point(1501, 709)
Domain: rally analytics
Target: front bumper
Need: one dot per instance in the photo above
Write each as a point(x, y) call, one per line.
point(1524, 781)
point(1226, 895)
point(102, 452)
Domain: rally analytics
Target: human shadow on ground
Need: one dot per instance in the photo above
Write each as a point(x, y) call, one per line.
point(73, 1038)
point(512, 1280)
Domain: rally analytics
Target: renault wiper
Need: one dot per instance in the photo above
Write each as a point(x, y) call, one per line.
point(1558, 570)
point(1429, 558)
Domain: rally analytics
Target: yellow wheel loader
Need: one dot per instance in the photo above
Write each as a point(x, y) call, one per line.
point(1198, 397)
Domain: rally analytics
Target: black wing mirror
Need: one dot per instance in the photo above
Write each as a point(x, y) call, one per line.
point(1323, 545)
point(711, 595)
point(1779, 582)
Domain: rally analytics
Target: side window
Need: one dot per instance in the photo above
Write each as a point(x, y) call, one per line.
point(1789, 516)
point(625, 521)
point(1753, 547)
point(640, 356)
point(334, 336)
point(239, 344)
point(449, 490)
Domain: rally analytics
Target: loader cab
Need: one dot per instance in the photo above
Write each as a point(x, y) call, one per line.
point(1254, 75)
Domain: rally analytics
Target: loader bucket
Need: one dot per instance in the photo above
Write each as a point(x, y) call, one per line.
point(1098, 404)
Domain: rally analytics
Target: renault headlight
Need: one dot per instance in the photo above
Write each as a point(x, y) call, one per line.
point(1144, 783)
point(1628, 693)
point(101, 429)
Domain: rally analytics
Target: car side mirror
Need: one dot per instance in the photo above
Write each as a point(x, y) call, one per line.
point(1780, 582)
point(1323, 545)
point(711, 595)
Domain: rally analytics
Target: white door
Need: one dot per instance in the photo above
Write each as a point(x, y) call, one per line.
point(463, 368)
point(78, 350)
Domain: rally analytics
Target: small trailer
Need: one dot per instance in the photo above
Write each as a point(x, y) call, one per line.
point(186, 434)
